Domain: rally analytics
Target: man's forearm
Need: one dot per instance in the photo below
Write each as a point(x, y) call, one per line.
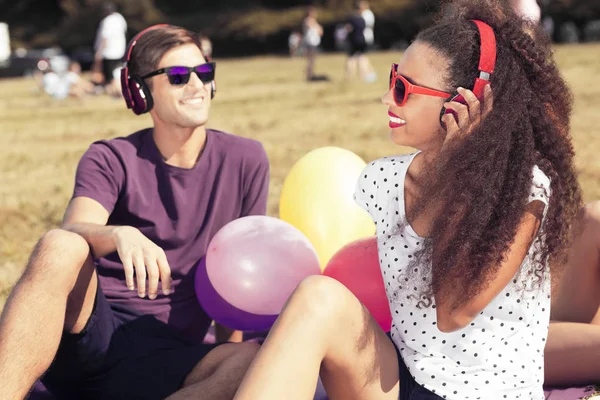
point(101, 238)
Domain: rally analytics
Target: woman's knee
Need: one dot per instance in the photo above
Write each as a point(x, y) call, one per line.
point(323, 297)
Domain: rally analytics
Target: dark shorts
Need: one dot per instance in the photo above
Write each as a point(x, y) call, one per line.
point(108, 67)
point(409, 388)
point(121, 355)
point(357, 49)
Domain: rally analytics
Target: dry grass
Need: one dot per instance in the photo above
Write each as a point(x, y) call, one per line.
point(263, 98)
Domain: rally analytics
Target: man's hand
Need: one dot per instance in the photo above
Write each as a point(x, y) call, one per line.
point(141, 255)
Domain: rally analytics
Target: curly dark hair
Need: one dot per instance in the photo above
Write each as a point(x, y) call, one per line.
point(482, 183)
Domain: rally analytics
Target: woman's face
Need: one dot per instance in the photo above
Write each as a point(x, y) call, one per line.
point(417, 123)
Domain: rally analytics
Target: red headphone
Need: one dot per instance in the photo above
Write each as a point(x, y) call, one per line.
point(136, 93)
point(487, 58)
point(487, 63)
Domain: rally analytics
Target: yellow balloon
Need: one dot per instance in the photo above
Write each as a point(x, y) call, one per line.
point(318, 198)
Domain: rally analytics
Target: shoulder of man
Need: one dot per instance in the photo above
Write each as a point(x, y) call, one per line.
point(239, 147)
point(125, 146)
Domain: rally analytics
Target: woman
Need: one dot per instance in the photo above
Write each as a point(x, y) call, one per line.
point(313, 31)
point(468, 229)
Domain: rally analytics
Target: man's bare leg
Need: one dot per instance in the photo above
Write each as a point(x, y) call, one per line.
point(572, 354)
point(218, 375)
point(573, 346)
point(55, 292)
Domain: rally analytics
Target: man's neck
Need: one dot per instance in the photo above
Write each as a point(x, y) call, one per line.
point(180, 147)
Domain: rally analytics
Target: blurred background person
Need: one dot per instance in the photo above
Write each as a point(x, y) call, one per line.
point(369, 17)
point(313, 32)
point(357, 60)
point(295, 43)
point(4, 43)
point(527, 9)
point(78, 86)
point(110, 45)
point(341, 37)
point(63, 79)
point(54, 81)
point(207, 47)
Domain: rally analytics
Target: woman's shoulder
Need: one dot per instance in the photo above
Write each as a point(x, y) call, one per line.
point(540, 179)
point(380, 180)
point(399, 161)
point(387, 170)
point(540, 185)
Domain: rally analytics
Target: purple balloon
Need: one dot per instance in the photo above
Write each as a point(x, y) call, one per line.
point(223, 312)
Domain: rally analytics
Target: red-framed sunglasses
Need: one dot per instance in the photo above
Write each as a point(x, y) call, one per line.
point(402, 88)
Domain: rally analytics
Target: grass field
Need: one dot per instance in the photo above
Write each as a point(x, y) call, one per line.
point(264, 98)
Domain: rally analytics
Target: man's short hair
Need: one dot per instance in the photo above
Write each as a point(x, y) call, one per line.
point(154, 44)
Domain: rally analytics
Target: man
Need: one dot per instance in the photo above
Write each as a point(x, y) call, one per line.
point(369, 17)
point(357, 47)
point(527, 9)
point(106, 305)
point(312, 34)
point(207, 47)
point(110, 47)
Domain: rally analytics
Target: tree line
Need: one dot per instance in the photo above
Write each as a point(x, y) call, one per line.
point(237, 27)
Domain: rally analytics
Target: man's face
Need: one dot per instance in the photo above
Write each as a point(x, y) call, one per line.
point(186, 105)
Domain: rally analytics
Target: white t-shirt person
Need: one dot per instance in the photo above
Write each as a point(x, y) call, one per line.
point(499, 355)
point(369, 18)
point(527, 9)
point(112, 30)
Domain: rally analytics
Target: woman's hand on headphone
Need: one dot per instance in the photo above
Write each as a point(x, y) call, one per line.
point(469, 115)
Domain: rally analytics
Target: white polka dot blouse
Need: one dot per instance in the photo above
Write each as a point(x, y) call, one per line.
point(500, 354)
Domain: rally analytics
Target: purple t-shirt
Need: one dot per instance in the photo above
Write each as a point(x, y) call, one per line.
point(178, 209)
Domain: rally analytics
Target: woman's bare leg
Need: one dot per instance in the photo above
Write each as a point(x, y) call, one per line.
point(572, 354)
point(323, 329)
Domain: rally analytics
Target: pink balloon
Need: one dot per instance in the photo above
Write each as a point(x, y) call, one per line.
point(256, 262)
point(356, 266)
